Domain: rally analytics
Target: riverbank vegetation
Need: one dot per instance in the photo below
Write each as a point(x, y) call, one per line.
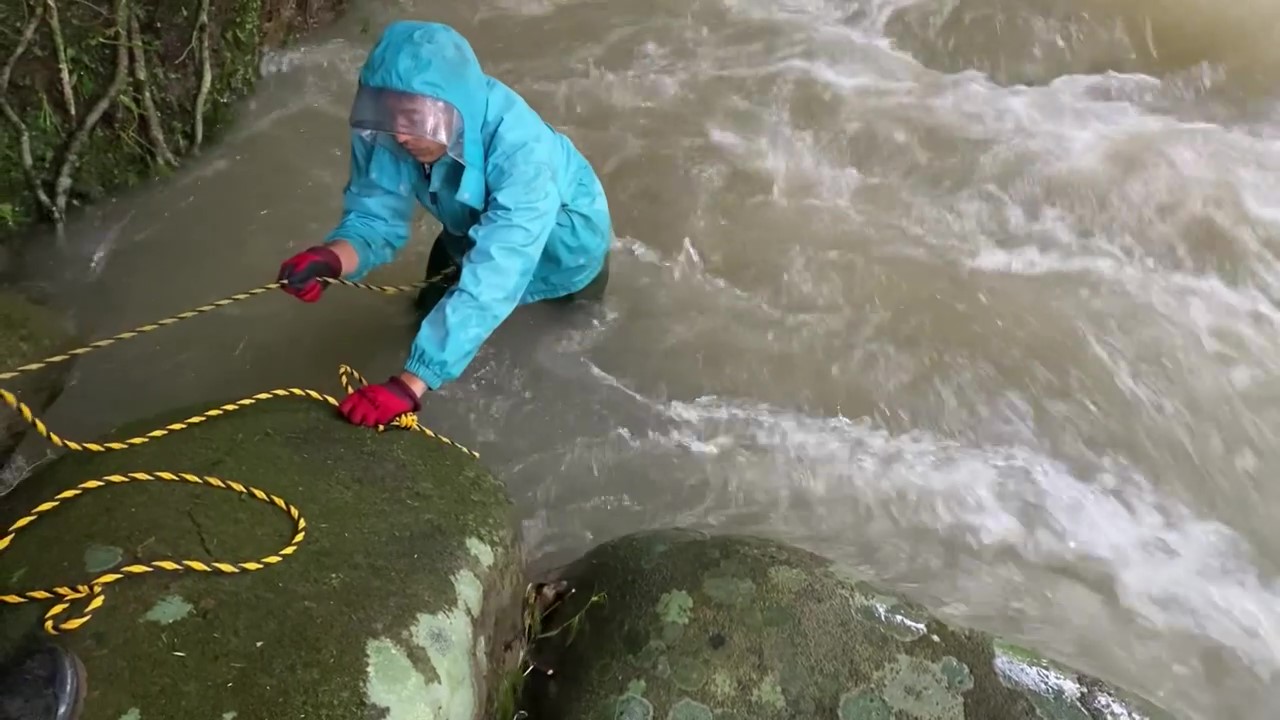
point(97, 95)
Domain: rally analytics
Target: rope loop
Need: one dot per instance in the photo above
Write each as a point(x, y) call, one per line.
point(90, 597)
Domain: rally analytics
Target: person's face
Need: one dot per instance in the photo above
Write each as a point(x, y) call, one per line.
point(423, 150)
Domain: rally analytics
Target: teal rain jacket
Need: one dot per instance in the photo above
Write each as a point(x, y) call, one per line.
point(525, 209)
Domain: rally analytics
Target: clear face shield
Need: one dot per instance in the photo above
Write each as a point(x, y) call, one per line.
point(424, 127)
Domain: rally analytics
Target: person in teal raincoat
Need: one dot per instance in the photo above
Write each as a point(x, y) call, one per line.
point(524, 215)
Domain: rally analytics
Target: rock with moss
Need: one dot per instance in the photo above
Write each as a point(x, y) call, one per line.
point(31, 331)
point(678, 625)
point(401, 601)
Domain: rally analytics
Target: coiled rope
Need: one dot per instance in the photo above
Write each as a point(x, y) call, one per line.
point(93, 594)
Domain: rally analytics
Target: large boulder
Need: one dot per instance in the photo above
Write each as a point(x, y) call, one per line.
point(401, 601)
point(30, 332)
point(678, 625)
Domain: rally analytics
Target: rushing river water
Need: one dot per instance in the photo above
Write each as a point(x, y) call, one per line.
point(975, 295)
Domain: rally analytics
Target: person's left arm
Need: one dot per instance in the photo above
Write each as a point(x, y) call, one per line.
point(507, 242)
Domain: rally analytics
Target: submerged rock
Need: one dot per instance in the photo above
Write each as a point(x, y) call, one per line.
point(690, 627)
point(399, 603)
point(30, 332)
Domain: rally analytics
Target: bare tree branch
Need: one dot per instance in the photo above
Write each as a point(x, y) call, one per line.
point(154, 128)
point(206, 74)
point(64, 69)
point(24, 138)
point(71, 158)
point(28, 32)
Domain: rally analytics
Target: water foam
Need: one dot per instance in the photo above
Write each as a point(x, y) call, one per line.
point(844, 478)
point(1094, 185)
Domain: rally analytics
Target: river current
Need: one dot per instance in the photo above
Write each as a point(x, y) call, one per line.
point(977, 296)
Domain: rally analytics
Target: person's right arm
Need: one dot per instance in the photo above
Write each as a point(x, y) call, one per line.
point(377, 208)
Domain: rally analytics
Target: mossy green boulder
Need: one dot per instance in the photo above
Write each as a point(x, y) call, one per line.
point(30, 331)
point(697, 627)
point(400, 602)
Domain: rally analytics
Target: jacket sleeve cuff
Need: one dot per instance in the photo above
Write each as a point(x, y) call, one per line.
point(359, 242)
point(420, 367)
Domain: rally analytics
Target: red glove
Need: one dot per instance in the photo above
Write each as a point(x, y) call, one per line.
point(374, 405)
point(300, 273)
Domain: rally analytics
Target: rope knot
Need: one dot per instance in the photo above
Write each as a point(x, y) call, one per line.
point(81, 591)
point(96, 598)
point(407, 421)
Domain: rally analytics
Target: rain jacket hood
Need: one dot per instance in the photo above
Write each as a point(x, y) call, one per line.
point(523, 213)
point(435, 60)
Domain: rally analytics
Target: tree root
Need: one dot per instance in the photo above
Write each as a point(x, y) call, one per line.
point(541, 602)
point(161, 148)
point(64, 68)
point(71, 158)
point(24, 138)
point(201, 40)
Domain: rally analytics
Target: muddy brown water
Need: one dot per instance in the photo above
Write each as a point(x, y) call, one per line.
point(977, 296)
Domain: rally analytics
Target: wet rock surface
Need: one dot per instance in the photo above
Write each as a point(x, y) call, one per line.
point(693, 627)
point(399, 602)
point(30, 332)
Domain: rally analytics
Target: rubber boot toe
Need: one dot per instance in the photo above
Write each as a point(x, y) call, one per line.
point(42, 683)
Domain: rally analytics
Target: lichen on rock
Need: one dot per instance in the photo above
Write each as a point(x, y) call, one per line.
point(400, 602)
point(768, 631)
